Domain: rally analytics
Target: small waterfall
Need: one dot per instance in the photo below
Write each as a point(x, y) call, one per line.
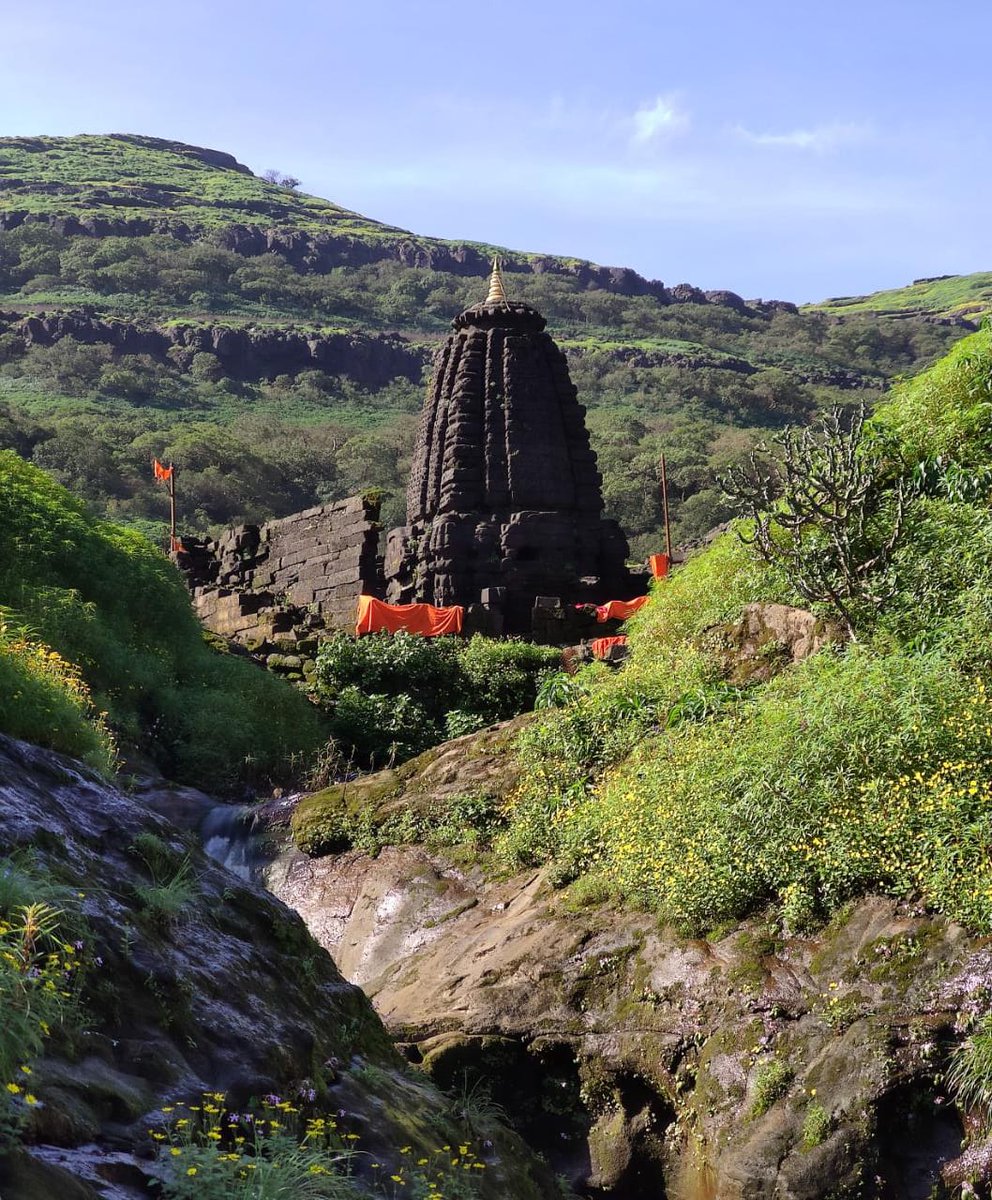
point(234, 835)
point(230, 838)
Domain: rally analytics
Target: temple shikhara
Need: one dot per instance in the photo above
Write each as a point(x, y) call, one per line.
point(504, 510)
point(504, 502)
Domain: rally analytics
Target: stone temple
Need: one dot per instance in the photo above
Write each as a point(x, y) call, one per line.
point(505, 502)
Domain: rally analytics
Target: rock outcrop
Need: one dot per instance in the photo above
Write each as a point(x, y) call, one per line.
point(243, 353)
point(228, 994)
point(758, 1065)
point(319, 251)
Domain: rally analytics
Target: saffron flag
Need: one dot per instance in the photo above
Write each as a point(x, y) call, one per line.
point(160, 471)
point(619, 610)
point(659, 565)
point(602, 646)
point(375, 616)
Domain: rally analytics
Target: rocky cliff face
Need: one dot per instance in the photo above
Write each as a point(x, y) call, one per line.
point(755, 1064)
point(229, 995)
point(320, 252)
point(244, 353)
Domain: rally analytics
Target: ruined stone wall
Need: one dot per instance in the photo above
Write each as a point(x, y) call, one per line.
point(279, 582)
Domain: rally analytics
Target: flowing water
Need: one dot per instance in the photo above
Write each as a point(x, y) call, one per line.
point(230, 838)
point(234, 835)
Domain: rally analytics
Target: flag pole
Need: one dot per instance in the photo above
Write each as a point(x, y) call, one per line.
point(172, 505)
point(664, 508)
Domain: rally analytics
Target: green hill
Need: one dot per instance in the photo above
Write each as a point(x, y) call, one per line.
point(952, 297)
point(160, 299)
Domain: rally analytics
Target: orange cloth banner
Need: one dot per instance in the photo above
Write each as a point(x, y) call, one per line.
point(160, 471)
point(619, 610)
point(375, 616)
point(601, 646)
point(659, 565)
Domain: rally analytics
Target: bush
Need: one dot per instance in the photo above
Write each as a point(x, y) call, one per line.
point(970, 1075)
point(117, 619)
point(770, 1083)
point(44, 700)
point(394, 695)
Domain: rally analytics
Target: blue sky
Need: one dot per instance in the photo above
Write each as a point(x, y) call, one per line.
point(781, 149)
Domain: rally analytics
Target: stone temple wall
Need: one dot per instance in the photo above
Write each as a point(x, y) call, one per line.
point(279, 582)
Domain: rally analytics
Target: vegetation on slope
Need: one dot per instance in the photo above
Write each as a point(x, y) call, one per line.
point(962, 296)
point(129, 176)
point(392, 696)
point(99, 644)
point(701, 381)
point(863, 768)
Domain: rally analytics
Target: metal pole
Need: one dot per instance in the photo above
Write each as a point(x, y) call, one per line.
point(172, 505)
point(664, 508)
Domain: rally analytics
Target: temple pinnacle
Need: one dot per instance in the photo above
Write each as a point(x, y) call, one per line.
point(496, 293)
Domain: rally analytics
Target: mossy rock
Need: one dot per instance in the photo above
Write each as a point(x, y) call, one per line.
point(477, 763)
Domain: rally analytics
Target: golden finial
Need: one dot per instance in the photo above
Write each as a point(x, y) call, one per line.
point(496, 293)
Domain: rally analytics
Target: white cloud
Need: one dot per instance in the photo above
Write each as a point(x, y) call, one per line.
point(658, 119)
point(820, 139)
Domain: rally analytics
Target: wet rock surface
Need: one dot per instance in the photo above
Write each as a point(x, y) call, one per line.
point(756, 1064)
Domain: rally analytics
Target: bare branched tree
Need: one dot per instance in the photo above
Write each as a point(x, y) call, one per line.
point(824, 505)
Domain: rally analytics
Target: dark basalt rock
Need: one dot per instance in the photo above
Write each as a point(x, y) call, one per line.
point(504, 490)
point(372, 360)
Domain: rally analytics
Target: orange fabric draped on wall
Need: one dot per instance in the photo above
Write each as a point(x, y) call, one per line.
point(601, 646)
point(619, 610)
point(375, 616)
point(659, 565)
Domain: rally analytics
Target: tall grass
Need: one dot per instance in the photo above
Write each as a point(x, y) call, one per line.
point(116, 646)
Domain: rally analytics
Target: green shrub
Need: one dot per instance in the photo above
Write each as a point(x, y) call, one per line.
point(394, 695)
point(118, 615)
point(770, 1084)
point(970, 1074)
point(173, 886)
point(500, 678)
point(816, 1126)
point(39, 977)
point(44, 700)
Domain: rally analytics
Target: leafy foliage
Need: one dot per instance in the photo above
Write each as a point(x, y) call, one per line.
point(128, 651)
point(395, 695)
point(970, 1075)
point(865, 768)
point(39, 977)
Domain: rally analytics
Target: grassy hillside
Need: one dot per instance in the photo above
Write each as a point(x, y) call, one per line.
point(868, 767)
point(100, 650)
point(107, 240)
point(128, 176)
point(953, 296)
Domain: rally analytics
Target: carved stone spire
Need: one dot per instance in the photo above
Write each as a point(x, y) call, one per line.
point(504, 490)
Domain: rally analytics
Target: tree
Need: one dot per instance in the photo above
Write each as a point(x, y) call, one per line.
point(289, 182)
point(828, 509)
